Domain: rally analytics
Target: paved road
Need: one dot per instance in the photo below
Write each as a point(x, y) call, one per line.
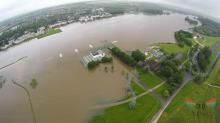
point(157, 116)
point(128, 100)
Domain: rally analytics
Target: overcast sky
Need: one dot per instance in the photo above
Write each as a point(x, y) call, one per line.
point(10, 8)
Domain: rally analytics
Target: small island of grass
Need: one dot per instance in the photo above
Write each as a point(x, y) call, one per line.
point(33, 83)
point(49, 32)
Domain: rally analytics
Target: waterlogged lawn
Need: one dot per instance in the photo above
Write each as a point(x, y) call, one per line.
point(146, 107)
point(172, 48)
point(49, 32)
point(136, 88)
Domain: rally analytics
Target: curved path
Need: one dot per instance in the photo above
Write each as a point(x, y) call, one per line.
point(29, 97)
point(213, 86)
point(128, 100)
point(13, 62)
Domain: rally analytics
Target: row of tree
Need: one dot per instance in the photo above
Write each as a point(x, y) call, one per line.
point(208, 27)
point(191, 21)
point(91, 65)
point(123, 56)
point(169, 70)
point(204, 58)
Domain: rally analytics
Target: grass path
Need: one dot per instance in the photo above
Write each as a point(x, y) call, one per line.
point(213, 85)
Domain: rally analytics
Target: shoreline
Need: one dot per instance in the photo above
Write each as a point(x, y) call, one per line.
point(74, 22)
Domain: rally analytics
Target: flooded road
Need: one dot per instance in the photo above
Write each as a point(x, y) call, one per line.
point(66, 90)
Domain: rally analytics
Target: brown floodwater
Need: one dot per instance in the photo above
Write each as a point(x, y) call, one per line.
point(66, 91)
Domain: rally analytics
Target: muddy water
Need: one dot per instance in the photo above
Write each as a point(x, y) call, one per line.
point(66, 90)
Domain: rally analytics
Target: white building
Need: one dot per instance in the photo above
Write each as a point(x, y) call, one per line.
point(93, 56)
point(97, 55)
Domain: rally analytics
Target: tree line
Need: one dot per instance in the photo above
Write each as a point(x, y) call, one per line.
point(183, 38)
point(22, 28)
point(191, 21)
point(208, 27)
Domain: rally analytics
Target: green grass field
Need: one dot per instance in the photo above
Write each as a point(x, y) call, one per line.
point(209, 41)
point(179, 112)
point(214, 77)
point(136, 88)
point(161, 90)
point(172, 48)
point(150, 79)
point(145, 108)
point(49, 32)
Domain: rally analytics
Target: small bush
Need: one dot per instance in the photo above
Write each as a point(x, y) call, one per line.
point(106, 59)
point(34, 83)
point(91, 65)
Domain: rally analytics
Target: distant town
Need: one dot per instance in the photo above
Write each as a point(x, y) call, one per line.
point(45, 30)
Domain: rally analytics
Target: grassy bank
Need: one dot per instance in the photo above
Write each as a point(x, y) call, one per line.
point(161, 90)
point(136, 88)
point(146, 106)
point(149, 78)
point(49, 32)
point(214, 77)
point(172, 48)
point(209, 41)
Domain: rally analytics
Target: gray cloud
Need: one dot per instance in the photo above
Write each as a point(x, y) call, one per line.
point(210, 7)
point(10, 8)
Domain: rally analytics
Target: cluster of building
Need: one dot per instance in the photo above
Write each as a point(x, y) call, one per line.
point(153, 57)
point(61, 23)
point(96, 14)
point(27, 35)
point(153, 52)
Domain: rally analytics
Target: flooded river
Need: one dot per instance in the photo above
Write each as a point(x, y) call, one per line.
point(66, 90)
